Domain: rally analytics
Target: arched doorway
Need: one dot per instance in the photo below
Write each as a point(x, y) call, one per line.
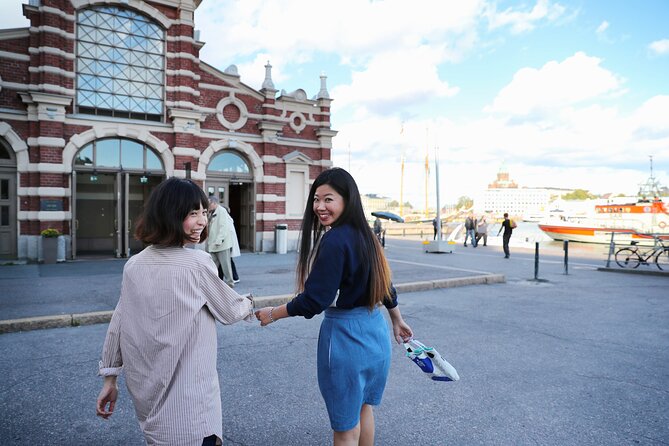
point(112, 178)
point(8, 222)
point(230, 178)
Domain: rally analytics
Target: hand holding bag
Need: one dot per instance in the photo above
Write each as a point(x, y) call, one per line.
point(430, 361)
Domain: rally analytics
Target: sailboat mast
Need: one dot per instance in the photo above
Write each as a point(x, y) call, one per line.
point(402, 189)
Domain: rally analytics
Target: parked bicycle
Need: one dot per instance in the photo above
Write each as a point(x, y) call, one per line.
point(633, 256)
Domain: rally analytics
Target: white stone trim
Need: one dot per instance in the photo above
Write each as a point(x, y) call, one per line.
point(206, 86)
point(46, 141)
point(182, 55)
point(188, 39)
point(271, 179)
point(231, 143)
point(186, 151)
point(58, 12)
point(17, 144)
point(14, 56)
point(139, 5)
point(270, 198)
point(180, 72)
point(51, 50)
point(183, 89)
point(52, 70)
point(44, 215)
point(243, 112)
point(43, 191)
point(39, 87)
point(110, 129)
point(52, 29)
point(47, 168)
point(16, 33)
point(271, 159)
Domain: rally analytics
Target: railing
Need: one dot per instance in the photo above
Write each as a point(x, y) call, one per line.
point(614, 246)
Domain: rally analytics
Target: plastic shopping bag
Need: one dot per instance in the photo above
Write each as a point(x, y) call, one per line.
point(430, 361)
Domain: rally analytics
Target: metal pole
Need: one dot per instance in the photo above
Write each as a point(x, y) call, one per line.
point(436, 168)
point(536, 260)
point(566, 256)
point(611, 248)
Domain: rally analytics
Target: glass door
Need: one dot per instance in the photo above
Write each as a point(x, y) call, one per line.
point(96, 214)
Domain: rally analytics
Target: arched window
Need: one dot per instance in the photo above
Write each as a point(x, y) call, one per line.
point(113, 154)
point(228, 162)
point(120, 64)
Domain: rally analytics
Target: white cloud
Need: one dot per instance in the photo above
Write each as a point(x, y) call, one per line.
point(602, 27)
point(395, 79)
point(295, 30)
point(659, 47)
point(576, 79)
point(520, 22)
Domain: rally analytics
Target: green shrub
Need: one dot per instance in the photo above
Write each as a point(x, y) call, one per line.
point(50, 232)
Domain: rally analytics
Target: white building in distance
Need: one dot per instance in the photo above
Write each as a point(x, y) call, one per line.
point(504, 195)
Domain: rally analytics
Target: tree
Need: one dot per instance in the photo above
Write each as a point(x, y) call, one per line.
point(394, 204)
point(465, 202)
point(578, 194)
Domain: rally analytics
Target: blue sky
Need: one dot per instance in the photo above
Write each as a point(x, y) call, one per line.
point(569, 94)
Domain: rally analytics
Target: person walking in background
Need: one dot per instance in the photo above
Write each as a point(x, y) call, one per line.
point(470, 227)
point(219, 243)
point(507, 226)
point(342, 270)
point(435, 225)
point(482, 231)
point(378, 231)
point(163, 331)
point(235, 252)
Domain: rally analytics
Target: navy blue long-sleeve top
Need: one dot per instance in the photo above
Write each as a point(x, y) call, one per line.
point(337, 267)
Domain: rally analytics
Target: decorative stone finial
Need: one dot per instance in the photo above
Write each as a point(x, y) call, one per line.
point(267, 83)
point(323, 92)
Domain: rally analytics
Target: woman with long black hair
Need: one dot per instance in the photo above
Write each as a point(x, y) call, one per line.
point(342, 271)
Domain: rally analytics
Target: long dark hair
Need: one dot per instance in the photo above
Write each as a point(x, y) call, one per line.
point(369, 249)
point(161, 222)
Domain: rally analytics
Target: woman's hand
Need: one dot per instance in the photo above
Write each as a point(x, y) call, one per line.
point(402, 331)
point(268, 315)
point(107, 396)
point(263, 315)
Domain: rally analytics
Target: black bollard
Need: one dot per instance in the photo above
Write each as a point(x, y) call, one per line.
point(536, 260)
point(566, 256)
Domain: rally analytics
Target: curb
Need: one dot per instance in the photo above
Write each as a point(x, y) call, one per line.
point(634, 271)
point(103, 317)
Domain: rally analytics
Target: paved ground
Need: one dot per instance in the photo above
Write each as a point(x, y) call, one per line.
point(577, 359)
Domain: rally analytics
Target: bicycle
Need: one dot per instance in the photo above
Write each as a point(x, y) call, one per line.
point(632, 257)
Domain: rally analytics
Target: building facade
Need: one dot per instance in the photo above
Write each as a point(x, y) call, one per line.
point(100, 100)
point(504, 196)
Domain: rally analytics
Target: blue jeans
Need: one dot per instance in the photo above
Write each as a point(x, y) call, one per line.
point(471, 234)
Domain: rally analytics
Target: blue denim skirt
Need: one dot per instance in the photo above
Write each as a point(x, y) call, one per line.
point(353, 363)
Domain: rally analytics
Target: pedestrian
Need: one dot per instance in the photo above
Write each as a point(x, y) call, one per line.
point(219, 243)
point(342, 271)
point(482, 231)
point(378, 231)
point(235, 251)
point(435, 226)
point(162, 333)
point(508, 226)
point(470, 227)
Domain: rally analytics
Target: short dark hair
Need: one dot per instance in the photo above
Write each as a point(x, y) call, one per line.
point(161, 222)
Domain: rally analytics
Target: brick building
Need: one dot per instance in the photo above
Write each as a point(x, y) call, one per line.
point(100, 100)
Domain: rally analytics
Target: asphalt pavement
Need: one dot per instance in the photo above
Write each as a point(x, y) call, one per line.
point(547, 356)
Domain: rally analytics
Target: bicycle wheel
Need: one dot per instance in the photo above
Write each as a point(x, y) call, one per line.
point(627, 258)
point(662, 259)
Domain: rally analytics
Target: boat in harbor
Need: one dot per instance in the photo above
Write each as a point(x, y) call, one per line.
point(638, 220)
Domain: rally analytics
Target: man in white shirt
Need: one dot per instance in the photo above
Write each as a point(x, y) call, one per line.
point(219, 241)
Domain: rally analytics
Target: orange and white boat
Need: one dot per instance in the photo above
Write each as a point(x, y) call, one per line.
point(630, 222)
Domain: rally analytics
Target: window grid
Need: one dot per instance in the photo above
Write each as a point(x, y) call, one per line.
point(120, 64)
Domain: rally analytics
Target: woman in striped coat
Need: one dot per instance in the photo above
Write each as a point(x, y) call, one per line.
point(163, 331)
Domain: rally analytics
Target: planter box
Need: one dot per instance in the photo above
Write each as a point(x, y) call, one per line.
point(49, 249)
